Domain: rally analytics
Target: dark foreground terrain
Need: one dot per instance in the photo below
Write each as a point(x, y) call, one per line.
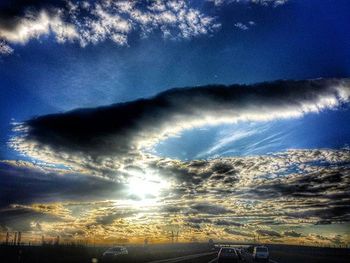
point(72, 254)
point(301, 254)
point(184, 253)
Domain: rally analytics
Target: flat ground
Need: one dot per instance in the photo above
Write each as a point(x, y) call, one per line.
point(301, 254)
point(184, 253)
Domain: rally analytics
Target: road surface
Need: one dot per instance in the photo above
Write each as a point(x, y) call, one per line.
point(248, 260)
point(210, 257)
point(187, 258)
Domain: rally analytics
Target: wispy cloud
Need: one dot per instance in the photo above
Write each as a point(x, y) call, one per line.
point(241, 26)
point(244, 26)
point(273, 3)
point(5, 49)
point(102, 20)
point(92, 22)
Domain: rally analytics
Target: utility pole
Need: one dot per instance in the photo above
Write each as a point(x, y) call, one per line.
point(15, 239)
point(19, 238)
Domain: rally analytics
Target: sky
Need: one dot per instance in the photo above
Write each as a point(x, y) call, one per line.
point(122, 121)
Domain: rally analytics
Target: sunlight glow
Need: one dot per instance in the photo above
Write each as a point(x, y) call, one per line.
point(146, 186)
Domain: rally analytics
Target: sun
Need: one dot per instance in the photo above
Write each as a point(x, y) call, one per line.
point(146, 186)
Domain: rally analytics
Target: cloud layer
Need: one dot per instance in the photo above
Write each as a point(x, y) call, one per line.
point(91, 22)
point(280, 197)
point(90, 155)
point(109, 137)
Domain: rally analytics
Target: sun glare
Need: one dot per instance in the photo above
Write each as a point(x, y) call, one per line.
point(146, 186)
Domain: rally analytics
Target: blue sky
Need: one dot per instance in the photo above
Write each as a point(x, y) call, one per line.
point(298, 40)
point(255, 138)
point(58, 56)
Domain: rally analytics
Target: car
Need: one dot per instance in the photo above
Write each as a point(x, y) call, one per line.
point(228, 254)
point(261, 253)
point(115, 252)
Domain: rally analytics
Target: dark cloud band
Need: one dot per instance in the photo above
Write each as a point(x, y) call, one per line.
point(124, 129)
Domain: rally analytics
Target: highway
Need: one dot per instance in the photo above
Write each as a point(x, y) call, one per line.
point(210, 257)
point(184, 258)
point(183, 253)
point(248, 258)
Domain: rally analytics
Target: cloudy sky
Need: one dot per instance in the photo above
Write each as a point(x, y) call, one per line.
point(222, 119)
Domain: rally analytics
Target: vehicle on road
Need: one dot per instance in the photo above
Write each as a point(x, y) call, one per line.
point(261, 253)
point(227, 254)
point(114, 252)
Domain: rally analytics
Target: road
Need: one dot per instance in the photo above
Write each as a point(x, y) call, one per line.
point(186, 258)
point(247, 259)
point(210, 257)
point(182, 253)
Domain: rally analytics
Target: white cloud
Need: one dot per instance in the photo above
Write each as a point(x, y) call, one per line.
point(273, 3)
point(91, 23)
point(244, 26)
point(105, 25)
point(225, 139)
point(34, 25)
point(5, 49)
point(114, 20)
point(241, 26)
point(270, 2)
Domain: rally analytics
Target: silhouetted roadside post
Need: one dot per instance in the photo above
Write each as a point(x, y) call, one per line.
point(19, 238)
point(19, 255)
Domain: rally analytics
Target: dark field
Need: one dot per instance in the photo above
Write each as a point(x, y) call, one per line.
point(184, 253)
point(300, 254)
point(70, 254)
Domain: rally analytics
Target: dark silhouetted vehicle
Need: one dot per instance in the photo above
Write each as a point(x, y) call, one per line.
point(227, 254)
point(261, 253)
point(114, 253)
